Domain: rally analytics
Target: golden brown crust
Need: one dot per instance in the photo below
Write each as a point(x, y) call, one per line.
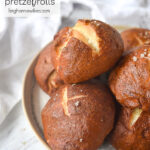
point(78, 117)
point(77, 57)
point(135, 37)
point(130, 80)
point(136, 137)
point(45, 73)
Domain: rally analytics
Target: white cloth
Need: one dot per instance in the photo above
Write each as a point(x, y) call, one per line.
point(22, 38)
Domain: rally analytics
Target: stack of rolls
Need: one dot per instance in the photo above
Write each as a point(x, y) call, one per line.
point(130, 83)
point(81, 110)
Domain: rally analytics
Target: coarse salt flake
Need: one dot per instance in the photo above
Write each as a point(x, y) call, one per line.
point(134, 58)
point(77, 103)
point(142, 55)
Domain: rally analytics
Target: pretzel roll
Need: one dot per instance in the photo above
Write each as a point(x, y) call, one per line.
point(86, 50)
point(132, 131)
point(78, 117)
point(45, 73)
point(135, 37)
point(130, 80)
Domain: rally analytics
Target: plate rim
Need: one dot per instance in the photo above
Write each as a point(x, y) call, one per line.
point(23, 100)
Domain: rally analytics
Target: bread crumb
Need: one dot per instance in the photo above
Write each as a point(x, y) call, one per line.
point(134, 58)
point(73, 84)
point(81, 140)
point(24, 143)
point(142, 55)
point(77, 103)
